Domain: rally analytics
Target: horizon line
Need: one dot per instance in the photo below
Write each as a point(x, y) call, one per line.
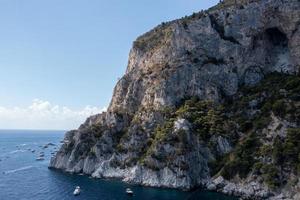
point(20, 129)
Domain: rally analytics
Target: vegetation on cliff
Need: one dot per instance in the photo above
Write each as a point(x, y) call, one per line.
point(245, 121)
point(262, 149)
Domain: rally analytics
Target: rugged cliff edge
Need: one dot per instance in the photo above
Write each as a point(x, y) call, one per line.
point(207, 100)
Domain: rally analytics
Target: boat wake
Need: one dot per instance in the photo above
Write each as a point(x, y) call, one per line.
point(16, 151)
point(17, 170)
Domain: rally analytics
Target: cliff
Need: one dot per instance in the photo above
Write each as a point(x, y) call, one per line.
point(207, 100)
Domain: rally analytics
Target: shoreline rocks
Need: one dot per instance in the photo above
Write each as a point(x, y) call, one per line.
point(252, 190)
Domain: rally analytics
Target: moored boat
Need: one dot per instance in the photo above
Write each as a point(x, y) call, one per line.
point(76, 191)
point(129, 191)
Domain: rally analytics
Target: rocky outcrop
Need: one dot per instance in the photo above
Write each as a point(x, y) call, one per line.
point(209, 55)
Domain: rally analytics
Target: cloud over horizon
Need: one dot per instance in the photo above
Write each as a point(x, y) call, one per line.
point(42, 114)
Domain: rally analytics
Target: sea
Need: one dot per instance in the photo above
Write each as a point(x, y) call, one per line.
point(22, 177)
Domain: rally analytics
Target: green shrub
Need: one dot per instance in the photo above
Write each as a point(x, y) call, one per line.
point(230, 170)
point(286, 152)
point(265, 150)
point(291, 147)
point(216, 165)
point(245, 125)
point(298, 168)
point(277, 153)
point(293, 82)
point(262, 122)
point(257, 167)
point(279, 108)
point(266, 108)
point(242, 158)
point(96, 130)
point(155, 38)
point(120, 148)
point(271, 175)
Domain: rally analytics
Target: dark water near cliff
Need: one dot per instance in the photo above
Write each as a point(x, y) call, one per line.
point(24, 178)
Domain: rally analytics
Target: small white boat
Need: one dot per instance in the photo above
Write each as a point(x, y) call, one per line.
point(40, 158)
point(129, 191)
point(76, 191)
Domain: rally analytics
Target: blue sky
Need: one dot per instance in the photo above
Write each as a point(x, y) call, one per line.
point(69, 52)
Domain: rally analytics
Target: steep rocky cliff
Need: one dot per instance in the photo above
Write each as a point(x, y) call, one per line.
point(207, 100)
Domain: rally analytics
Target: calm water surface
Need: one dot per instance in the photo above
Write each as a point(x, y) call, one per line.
point(24, 178)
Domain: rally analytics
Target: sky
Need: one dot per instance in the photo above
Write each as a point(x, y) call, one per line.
point(60, 59)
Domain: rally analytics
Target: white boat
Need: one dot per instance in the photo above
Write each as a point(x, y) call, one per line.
point(129, 191)
point(40, 158)
point(76, 191)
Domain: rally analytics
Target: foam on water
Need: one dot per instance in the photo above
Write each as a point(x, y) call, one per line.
point(17, 170)
point(17, 151)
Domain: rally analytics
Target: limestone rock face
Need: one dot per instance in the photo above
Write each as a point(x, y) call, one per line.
point(208, 55)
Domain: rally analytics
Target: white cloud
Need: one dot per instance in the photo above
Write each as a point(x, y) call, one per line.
point(44, 115)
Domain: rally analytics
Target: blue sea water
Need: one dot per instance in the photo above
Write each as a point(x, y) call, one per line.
point(24, 178)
